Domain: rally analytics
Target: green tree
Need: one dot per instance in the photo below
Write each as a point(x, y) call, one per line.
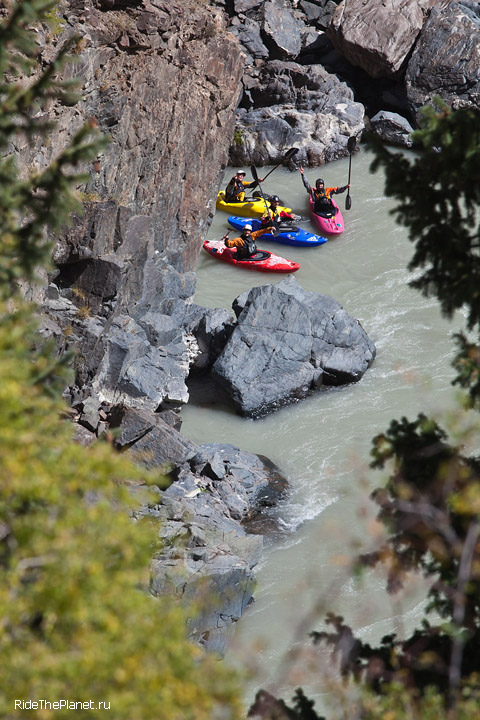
point(430, 505)
point(77, 623)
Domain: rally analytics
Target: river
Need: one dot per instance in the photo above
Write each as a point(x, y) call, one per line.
point(322, 443)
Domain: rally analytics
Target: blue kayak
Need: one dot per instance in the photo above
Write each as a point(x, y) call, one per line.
point(287, 236)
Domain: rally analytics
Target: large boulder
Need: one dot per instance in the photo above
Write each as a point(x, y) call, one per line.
point(289, 342)
point(446, 60)
point(378, 35)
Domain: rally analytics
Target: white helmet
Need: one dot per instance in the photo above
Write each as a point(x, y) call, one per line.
point(247, 226)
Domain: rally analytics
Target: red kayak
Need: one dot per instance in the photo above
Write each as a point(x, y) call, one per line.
point(332, 225)
point(262, 260)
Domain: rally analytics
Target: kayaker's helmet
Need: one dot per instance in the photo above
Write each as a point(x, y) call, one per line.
point(319, 181)
point(241, 172)
point(275, 199)
point(247, 226)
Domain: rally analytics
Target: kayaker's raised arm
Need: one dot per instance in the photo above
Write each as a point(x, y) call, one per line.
point(305, 181)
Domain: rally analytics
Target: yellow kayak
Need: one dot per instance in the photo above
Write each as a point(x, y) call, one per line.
point(250, 208)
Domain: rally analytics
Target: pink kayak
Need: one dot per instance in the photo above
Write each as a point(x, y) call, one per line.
point(262, 260)
point(331, 225)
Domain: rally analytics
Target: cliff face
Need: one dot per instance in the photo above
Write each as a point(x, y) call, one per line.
point(163, 80)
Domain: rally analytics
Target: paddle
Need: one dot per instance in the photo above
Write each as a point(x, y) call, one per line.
point(288, 155)
point(351, 144)
point(255, 177)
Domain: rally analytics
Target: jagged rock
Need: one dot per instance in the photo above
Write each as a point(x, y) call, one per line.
point(318, 13)
point(138, 373)
point(162, 446)
point(248, 34)
point(446, 59)
point(295, 106)
point(378, 35)
point(134, 250)
point(207, 555)
point(244, 6)
point(211, 329)
point(282, 30)
point(152, 439)
point(392, 128)
point(83, 436)
point(289, 342)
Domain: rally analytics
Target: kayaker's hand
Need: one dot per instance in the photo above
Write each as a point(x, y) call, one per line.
point(301, 170)
point(225, 237)
point(274, 230)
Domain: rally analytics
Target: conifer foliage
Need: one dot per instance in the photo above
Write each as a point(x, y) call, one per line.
point(80, 636)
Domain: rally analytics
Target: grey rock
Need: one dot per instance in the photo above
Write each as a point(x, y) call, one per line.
point(295, 106)
point(138, 374)
point(289, 342)
point(162, 446)
point(392, 128)
point(446, 59)
point(211, 328)
point(282, 28)
point(248, 34)
point(245, 6)
point(378, 35)
point(207, 555)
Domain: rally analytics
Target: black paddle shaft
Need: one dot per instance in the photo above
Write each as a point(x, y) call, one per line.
point(255, 177)
point(288, 155)
point(351, 144)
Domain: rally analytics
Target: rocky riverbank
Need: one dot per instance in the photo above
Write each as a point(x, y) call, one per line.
point(183, 89)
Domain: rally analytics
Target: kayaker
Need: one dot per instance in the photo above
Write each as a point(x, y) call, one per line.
point(280, 219)
point(244, 243)
point(235, 190)
point(321, 196)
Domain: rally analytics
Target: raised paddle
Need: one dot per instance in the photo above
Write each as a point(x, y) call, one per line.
point(288, 155)
point(351, 144)
point(255, 177)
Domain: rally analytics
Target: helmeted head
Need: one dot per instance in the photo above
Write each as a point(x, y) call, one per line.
point(274, 200)
point(241, 173)
point(247, 228)
point(319, 182)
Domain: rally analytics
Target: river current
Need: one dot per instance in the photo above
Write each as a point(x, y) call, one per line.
point(322, 443)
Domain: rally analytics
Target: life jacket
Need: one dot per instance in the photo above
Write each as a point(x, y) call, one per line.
point(249, 243)
point(234, 187)
point(275, 216)
point(322, 199)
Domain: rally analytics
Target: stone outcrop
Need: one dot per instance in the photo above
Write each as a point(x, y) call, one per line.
point(207, 555)
point(163, 80)
point(446, 59)
point(378, 36)
point(289, 342)
point(294, 106)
